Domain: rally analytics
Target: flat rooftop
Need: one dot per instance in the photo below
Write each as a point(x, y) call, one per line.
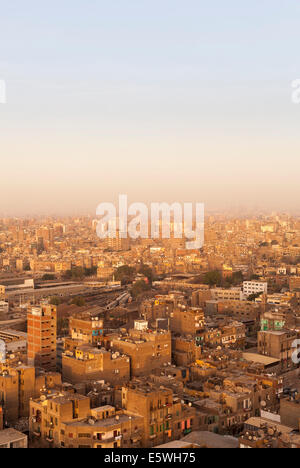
point(10, 435)
point(260, 359)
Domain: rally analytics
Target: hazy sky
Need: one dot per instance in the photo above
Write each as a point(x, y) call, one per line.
point(163, 100)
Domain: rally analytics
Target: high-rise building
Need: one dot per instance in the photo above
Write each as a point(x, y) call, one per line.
point(41, 329)
point(117, 243)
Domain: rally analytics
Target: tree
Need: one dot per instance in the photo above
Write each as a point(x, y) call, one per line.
point(125, 274)
point(213, 278)
point(147, 271)
point(237, 277)
point(139, 287)
point(252, 297)
point(78, 273)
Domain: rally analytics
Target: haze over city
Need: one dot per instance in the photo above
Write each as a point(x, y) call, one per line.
point(163, 101)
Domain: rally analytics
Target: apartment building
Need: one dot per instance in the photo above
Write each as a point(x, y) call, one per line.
point(226, 335)
point(87, 363)
point(11, 439)
point(105, 428)
point(117, 243)
point(187, 320)
point(277, 344)
point(184, 350)
point(49, 411)
point(41, 329)
point(148, 349)
point(85, 328)
point(242, 310)
point(233, 294)
point(20, 383)
point(278, 319)
point(254, 287)
point(165, 417)
point(65, 420)
point(159, 307)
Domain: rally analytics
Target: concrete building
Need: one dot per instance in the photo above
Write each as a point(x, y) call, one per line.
point(165, 417)
point(41, 329)
point(70, 423)
point(86, 328)
point(277, 344)
point(242, 310)
point(10, 438)
point(233, 294)
point(87, 363)
point(148, 349)
point(187, 321)
point(20, 383)
point(254, 287)
point(48, 412)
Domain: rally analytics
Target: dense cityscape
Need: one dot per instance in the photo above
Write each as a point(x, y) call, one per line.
point(149, 228)
point(123, 343)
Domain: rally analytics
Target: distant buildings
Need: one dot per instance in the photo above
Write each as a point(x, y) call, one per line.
point(254, 287)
